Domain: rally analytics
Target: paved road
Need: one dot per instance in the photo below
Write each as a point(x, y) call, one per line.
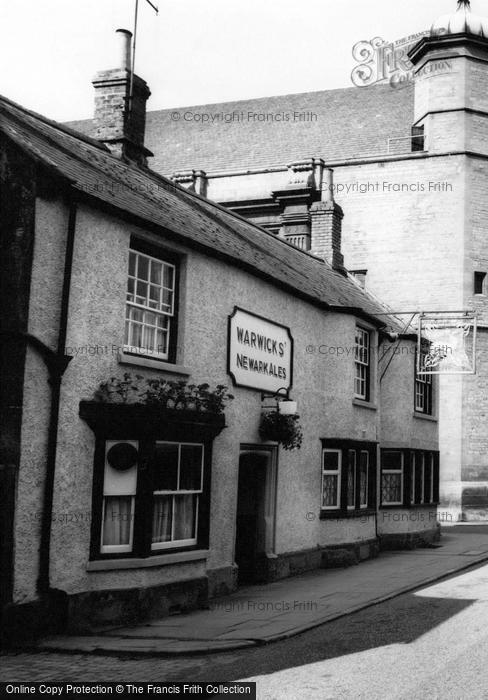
point(429, 644)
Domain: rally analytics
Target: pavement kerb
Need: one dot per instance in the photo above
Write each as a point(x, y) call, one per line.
point(375, 601)
point(204, 647)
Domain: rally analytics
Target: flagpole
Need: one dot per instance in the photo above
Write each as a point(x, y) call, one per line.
point(134, 38)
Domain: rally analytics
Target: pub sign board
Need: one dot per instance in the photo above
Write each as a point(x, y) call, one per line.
point(259, 352)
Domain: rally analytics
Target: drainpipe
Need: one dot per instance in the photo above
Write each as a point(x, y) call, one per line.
point(57, 367)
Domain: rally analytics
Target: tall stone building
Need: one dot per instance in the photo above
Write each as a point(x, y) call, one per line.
point(410, 174)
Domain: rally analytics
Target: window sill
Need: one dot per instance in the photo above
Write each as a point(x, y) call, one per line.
point(147, 562)
point(365, 404)
point(141, 361)
point(408, 506)
point(424, 416)
point(345, 515)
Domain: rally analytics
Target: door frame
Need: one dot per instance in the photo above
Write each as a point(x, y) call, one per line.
point(270, 492)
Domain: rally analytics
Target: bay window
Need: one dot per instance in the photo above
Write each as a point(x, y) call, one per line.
point(151, 494)
point(409, 477)
point(348, 477)
point(158, 496)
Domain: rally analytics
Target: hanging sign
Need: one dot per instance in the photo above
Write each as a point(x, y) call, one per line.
point(446, 343)
point(259, 352)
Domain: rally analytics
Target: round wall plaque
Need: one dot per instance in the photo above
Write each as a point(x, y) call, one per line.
point(122, 456)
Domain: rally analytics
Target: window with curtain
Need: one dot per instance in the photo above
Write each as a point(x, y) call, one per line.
point(409, 477)
point(119, 490)
point(331, 478)
point(177, 473)
point(363, 478)
point(157, 509)
point(348, 477)
point(150, 305)
point(351, 479)
point(391, 477)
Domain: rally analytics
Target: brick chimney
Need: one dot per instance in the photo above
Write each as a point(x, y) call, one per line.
point(326, 232)
point(120, 121)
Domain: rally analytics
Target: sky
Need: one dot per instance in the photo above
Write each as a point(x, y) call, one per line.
point(195, 51)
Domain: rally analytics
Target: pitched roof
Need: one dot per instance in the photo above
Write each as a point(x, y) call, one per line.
point(332, 124)
point(175, 212)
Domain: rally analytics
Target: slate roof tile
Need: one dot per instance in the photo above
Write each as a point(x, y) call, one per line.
point(350, 123)
point(174, 211)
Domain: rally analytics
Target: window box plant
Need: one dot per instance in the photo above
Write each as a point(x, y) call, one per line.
point(134, 406)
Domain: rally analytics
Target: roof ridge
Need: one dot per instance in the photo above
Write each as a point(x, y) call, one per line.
point(350, 88)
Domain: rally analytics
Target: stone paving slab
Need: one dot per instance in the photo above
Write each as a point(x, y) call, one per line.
point(264, 613)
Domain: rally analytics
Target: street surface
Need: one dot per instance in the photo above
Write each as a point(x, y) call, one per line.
point(432, 643)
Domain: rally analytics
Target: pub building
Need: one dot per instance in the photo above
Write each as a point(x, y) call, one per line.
point(156, 352)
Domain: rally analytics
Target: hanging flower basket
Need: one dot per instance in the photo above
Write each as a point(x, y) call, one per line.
point(282, 428)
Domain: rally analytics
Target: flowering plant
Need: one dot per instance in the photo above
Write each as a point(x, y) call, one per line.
point(281, 428)
point(162, 392)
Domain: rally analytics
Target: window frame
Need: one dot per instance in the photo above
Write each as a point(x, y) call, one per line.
point(413, 477)
point(362, 504)
point(421, 480)
point(142, 514)
point(359, 363)
point(343, 448)
point(332, 472)
point(106, 494)
point(354, 478)
point(479, 277)
point(400, 471)
point(423, 387)
point(417, 138)
point(428, 465)
point(171, 544)
point(117, 548)
point(413, 494)
point(169, 258)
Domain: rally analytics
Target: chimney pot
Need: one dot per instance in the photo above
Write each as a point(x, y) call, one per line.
point(329, 184)
point(124, 41)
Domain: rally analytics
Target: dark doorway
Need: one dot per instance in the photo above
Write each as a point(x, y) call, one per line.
point(250, 521)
